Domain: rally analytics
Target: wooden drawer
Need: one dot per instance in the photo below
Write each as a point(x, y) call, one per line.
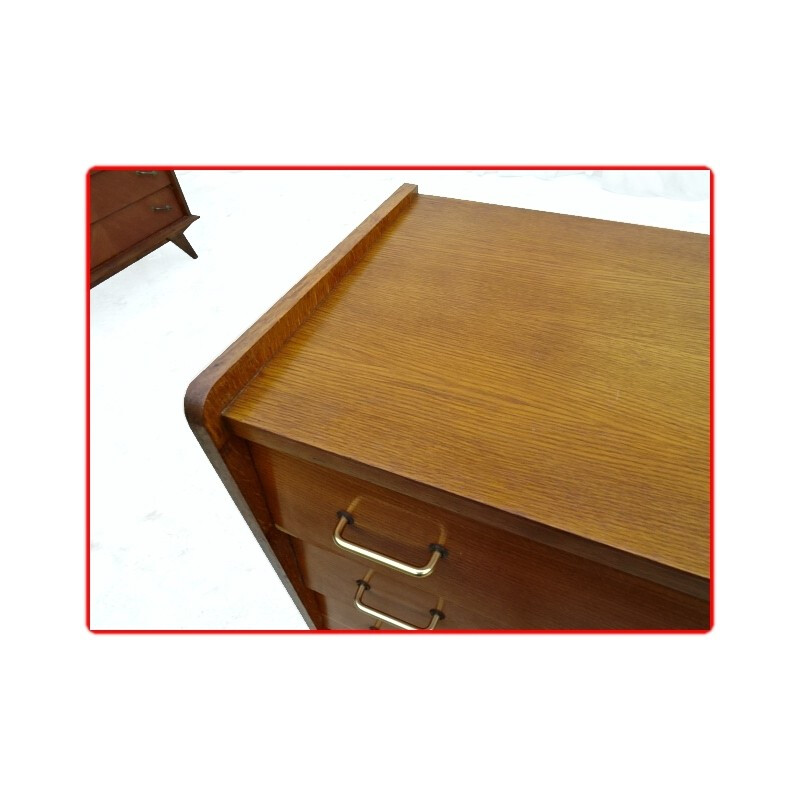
point(343, 616)
point(112, 190)
point(506, 577)
point(336, 577)
point(123, 229)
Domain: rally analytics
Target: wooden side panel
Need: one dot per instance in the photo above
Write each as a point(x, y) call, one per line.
point(176, 187)
point(235, 469)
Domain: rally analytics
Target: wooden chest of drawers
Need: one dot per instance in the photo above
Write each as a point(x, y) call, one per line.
point(132, 213)
point(476, 417)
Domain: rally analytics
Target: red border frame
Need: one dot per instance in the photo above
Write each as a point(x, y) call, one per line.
point(409, 167)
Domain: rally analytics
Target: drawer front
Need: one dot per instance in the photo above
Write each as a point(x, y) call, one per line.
point(123, 229)
point(112, 190)
point(343, 616)
point(526, 585)
point(336, 577)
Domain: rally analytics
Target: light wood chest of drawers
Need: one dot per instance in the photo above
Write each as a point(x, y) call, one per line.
point(132, 213)
point(477, 417)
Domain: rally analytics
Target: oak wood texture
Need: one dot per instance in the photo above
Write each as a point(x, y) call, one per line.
point(219, 383)
point(542, 379)
point(519, 583)
point(334, 577)
point(132, 213)
point(342, 616)
point(552, 367)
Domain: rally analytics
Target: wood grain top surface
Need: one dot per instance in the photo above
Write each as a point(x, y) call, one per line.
point(554, 367)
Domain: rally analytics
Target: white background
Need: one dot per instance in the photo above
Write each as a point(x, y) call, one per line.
point(169, 550)
point(286, 715)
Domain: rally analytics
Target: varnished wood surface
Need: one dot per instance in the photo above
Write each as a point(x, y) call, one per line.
point(508, 578)
point(180, 241)
point(124, 226)
point(136, 221)
point(218, 384)
point(555, 368)
point(147, 245)
point(335, 576)
point(345, 616)
point(112, 190)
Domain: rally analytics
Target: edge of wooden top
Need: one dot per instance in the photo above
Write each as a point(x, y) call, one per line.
point(575, 544)
point(226, 376)
point(565, 215)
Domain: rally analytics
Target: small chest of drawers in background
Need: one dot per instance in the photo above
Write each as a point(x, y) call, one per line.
point(132, 213)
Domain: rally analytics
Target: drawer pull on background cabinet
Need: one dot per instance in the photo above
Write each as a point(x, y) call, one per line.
point(147, 172)
point(162, 208)
point(363, 586)
point(345, 519)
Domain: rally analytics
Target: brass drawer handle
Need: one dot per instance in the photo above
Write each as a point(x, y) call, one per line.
point(363, 586)
point(345, 519)
point(147, 172)
point(162, 208)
